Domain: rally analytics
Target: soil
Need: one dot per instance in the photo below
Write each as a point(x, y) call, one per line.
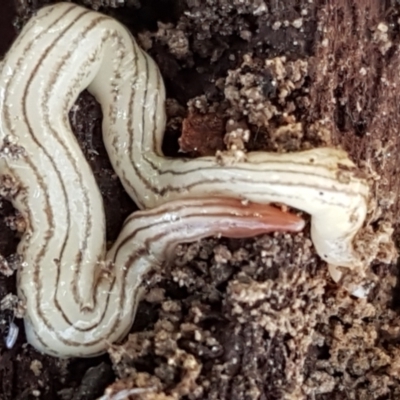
point(257, 318)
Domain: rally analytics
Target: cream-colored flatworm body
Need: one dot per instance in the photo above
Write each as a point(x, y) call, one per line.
point(61, 51)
